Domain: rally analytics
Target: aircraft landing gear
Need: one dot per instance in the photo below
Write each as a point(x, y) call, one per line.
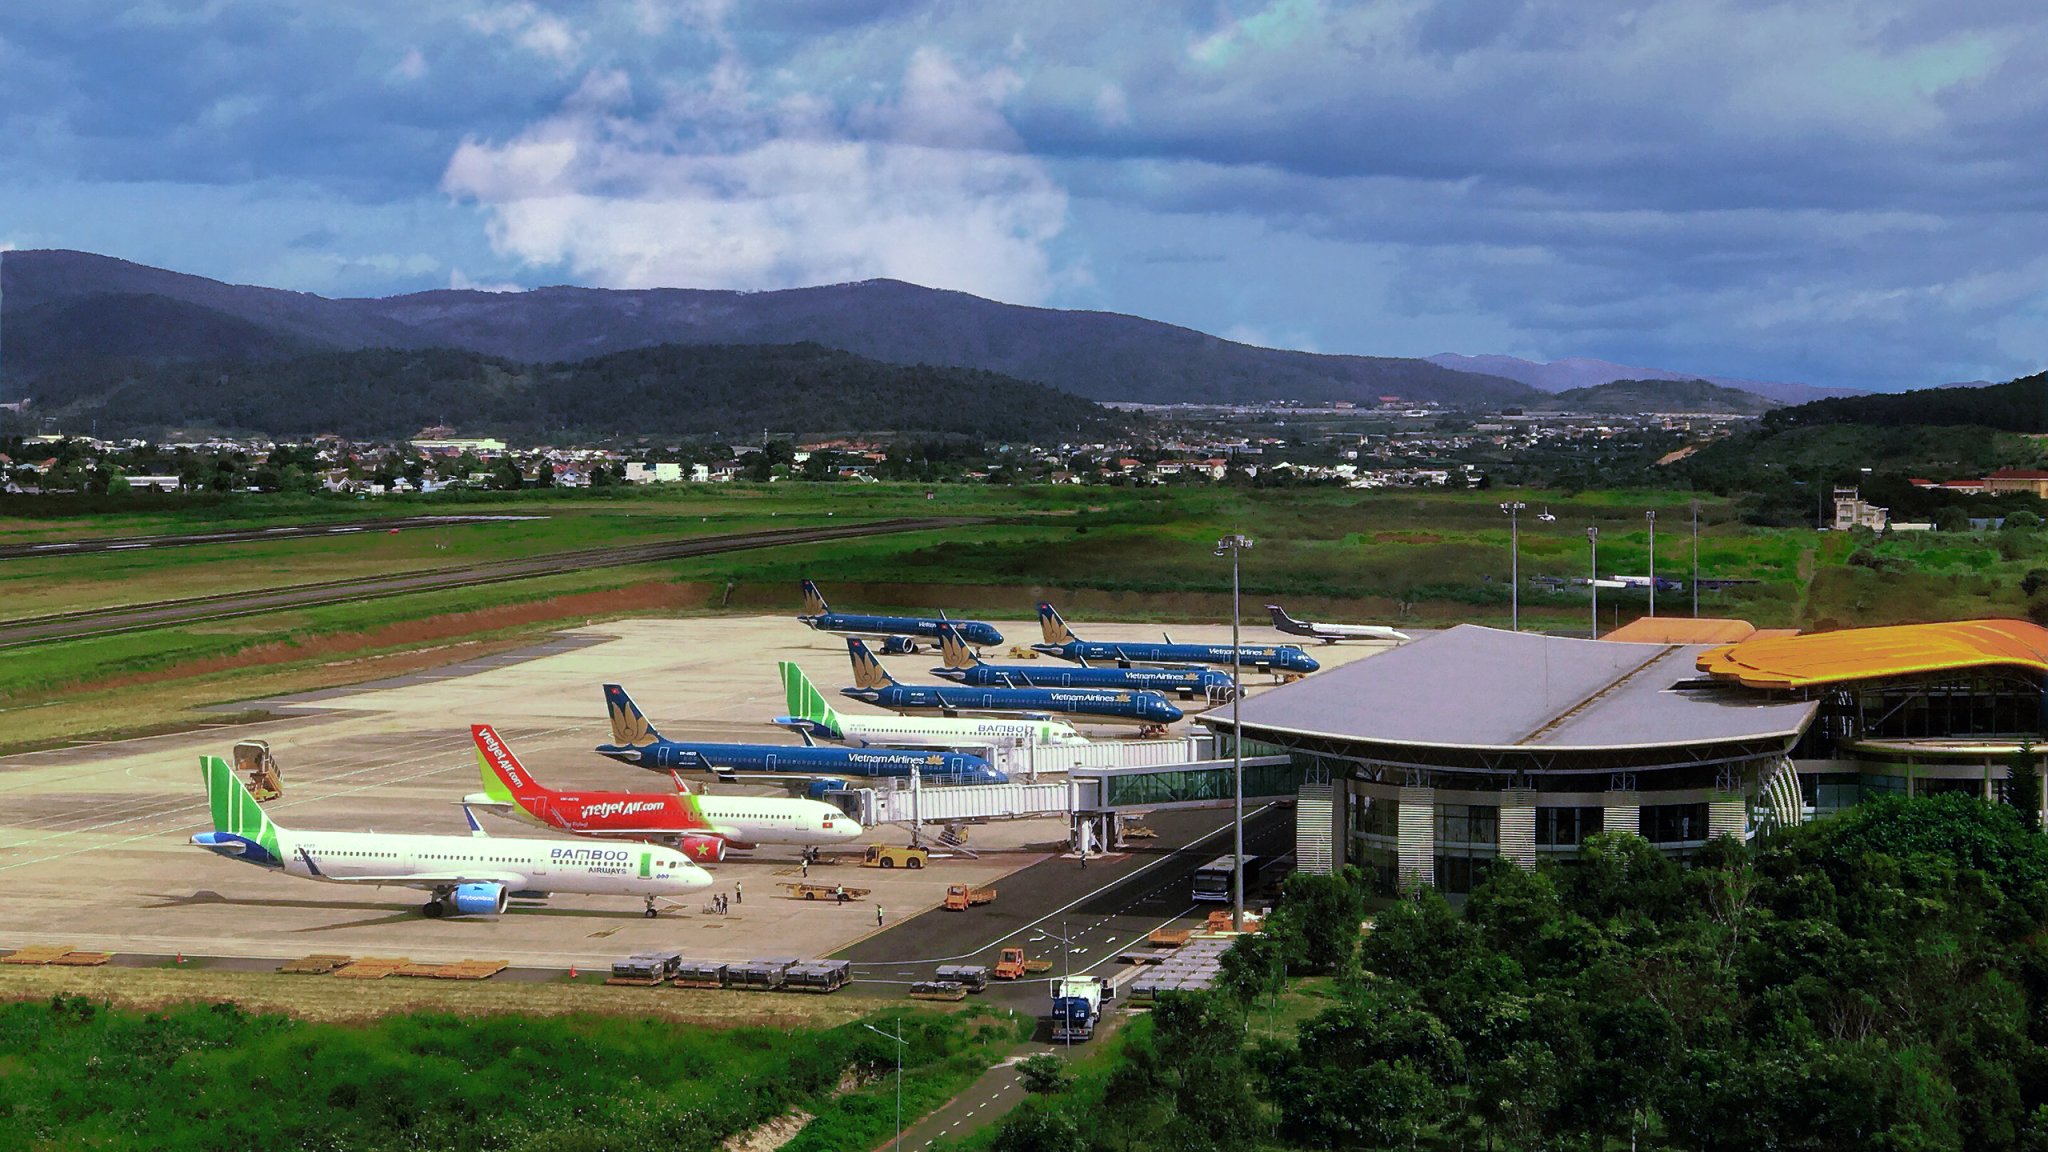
point(432, 909)
point(650, 908)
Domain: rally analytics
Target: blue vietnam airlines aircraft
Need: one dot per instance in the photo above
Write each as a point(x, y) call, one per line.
point(872, 683)
point(897, 633)
point(634, 741)
point(1188, 683)
point(1060, 641)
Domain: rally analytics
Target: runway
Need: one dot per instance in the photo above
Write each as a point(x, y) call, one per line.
point(133, 617)
point(240, 535)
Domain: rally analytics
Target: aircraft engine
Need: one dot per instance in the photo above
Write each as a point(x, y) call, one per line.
point(478, 899)
point(703, 849)
point(816, 789)
point(898, 646)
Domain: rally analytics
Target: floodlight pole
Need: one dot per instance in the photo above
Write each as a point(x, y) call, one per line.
point(1651, 516)
point(899, 1076)
point(1593, 543)
point(1236, 544)
point(1695, 559)
point(1512, 508)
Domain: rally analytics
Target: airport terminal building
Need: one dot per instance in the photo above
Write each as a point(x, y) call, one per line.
point(1476, 743)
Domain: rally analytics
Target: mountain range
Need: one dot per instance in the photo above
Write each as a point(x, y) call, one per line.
point(64, 314)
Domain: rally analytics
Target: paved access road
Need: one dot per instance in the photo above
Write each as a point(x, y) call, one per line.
point(1103, 910)
point(129, 618)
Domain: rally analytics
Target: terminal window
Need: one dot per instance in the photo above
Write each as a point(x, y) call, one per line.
point(1467, 824)
point(1674, 823)
point(1565, 827)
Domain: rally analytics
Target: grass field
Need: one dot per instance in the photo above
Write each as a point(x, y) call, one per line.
point(1417, 558)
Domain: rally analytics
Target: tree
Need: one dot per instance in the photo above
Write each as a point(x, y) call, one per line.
point(1255, 966)
point(1033, 1128)
point(1373, 1072)
point(1318, 919)
point(1044, 1073)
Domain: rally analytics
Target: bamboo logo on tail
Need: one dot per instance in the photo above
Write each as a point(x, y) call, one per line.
point(236, 813)
point(804, 700)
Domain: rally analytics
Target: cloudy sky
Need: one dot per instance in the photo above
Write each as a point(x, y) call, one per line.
point(1845, 192)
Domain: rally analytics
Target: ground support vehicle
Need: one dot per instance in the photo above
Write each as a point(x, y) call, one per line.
point(961, 897)
point(1076, 1007)
point(884, 856)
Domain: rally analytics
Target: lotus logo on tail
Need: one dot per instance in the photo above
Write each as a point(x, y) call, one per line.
point(867, 671)
point(955, 649)
point(630, 728)
point(814, 600)
point(1054, 628)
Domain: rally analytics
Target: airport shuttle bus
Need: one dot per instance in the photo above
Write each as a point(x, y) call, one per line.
point(1212, 880)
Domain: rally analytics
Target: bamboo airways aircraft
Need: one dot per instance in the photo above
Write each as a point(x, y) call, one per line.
point(813, 715)
point(467, 875)
point(702, 826)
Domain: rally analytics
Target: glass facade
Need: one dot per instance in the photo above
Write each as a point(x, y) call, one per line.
point(1170, 787)
point(1566, 827)
point(1467, 839)
point(1674, 823)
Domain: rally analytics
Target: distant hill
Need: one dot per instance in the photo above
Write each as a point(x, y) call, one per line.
point(1625, 397)
point(62, 308)
point(716, 390)
point(1580, 372)
point(2015, 406)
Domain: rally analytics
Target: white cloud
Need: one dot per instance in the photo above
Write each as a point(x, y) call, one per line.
point(541, 33)
point(412, 66)
point(459, 281)
point(724, 187)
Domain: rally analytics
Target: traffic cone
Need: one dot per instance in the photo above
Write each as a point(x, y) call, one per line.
point(181, 959)
point(572, 971)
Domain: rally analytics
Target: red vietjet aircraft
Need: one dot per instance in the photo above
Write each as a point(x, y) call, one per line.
point(702, 826)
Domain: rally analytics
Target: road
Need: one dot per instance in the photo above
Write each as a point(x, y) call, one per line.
point(134, 617)
point(239, 535)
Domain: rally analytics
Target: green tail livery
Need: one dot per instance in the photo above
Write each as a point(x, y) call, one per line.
point(809, 711)
point(240, 826)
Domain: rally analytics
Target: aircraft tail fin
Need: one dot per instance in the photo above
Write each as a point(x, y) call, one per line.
point(1281, 619)
point(806, 704)
point(1054, 628)
point(505, 779)
point(814, 600)
point(957, 654)
point(867, 671)
point(236, 815)
point(630, 727)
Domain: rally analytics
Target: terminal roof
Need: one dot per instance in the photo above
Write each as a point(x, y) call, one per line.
point(1818, 658)
point(1473, 687)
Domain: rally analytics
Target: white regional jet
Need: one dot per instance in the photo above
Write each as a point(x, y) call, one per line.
point(468, 875)
point(1331, 633)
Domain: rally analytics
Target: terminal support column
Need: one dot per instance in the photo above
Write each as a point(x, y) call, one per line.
point(1727, 816)
point(1417, 838)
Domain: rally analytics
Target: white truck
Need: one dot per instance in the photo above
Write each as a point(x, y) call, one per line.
point(1076, 1006)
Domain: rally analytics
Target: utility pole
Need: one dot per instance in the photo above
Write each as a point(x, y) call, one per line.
point(1695, 559)
point(1513, 508)
point(1235, 544)
point(1593, 543)
point(898, 1038)
point(1651, 516)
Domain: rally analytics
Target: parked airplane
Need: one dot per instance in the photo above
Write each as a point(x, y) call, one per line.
point(1664, 583)
point(467, 875)
point(634, 741)
point(1188, 683)
point(811, 713)
point(873, 684)
point(899, 634)
point(703, 827)
point(1060, 641)
point(1331, 633)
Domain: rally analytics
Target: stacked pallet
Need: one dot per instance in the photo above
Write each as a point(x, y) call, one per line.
point(318, 964)
point(60, 954)
point(372, 968)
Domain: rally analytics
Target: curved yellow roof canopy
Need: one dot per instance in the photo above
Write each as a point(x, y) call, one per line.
point(1786, 662)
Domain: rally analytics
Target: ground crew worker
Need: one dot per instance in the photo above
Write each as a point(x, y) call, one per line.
point(737, 898)
point(878, 915)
